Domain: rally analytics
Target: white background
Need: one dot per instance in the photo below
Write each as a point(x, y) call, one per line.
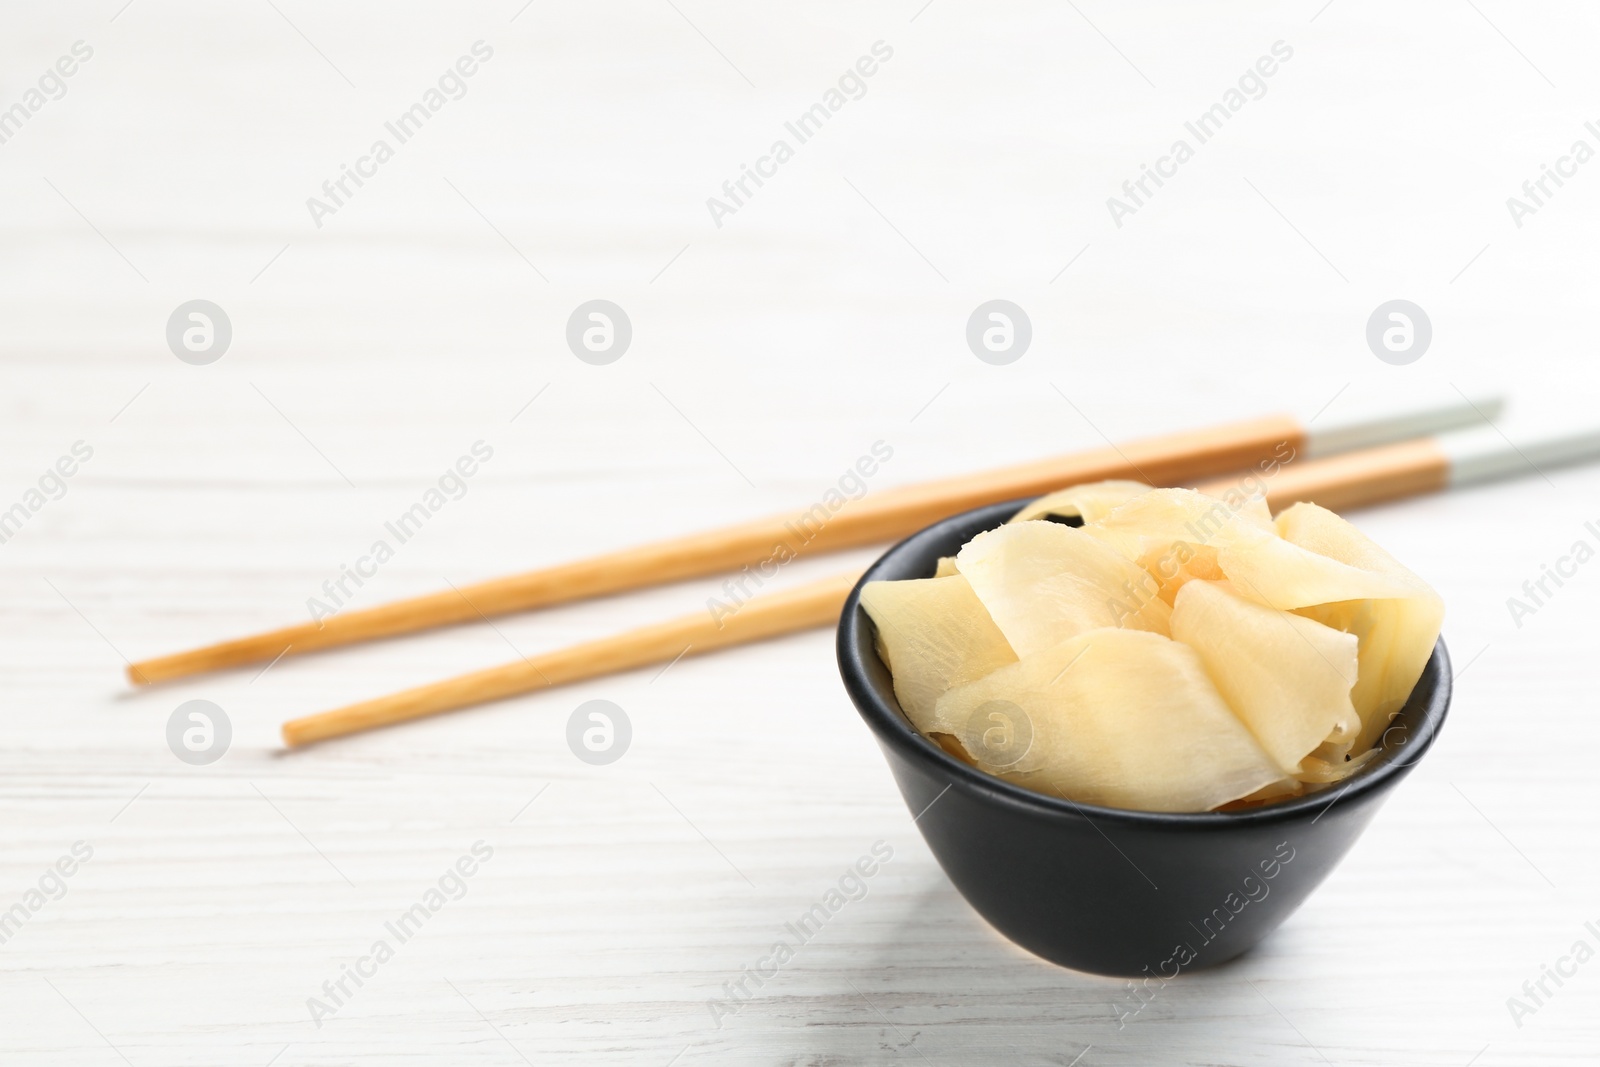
point(826, 314)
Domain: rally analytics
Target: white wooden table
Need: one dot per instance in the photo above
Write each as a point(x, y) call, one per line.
point(826, 313)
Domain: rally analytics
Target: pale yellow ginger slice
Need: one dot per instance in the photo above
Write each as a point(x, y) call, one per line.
point(933, 634)
point(1287, 677)
point(1316, 771)
point(1152, 522)
point(1284, 573)
point(1279, 790)
point(945, 567)
point(1176, 535)
point(1174, 565)
point(1397, 637)
point(1122, 718)
point(1088, 502)
point(1043, 582)
point(1324, 569)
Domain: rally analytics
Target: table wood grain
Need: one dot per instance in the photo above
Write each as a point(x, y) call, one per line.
point(827, 313)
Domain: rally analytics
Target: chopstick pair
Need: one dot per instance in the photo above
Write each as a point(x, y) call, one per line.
point(1347, 479)
point(1340, 482)
point(1167, 460)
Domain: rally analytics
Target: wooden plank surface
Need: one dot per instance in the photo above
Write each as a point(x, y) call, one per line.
point(826, 314)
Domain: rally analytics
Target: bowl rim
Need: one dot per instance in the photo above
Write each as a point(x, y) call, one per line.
point(890, 725)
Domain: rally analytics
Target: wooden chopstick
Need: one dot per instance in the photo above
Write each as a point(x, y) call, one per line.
point(1171, 459)
point(1340, 482)
point(876, 517)
point(801, 608)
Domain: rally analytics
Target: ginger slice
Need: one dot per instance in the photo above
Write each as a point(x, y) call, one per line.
point(933, 634)
point(1315, 771)
point(1287, 677)
point(1156, 521)
point(1175, 565)
point(1043, 582)
point(1324, 569)
point(1123, 718)
point(1175, 534)
point(1088, 502)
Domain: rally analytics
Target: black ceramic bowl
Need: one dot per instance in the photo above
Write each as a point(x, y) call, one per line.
point(1101, 889)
